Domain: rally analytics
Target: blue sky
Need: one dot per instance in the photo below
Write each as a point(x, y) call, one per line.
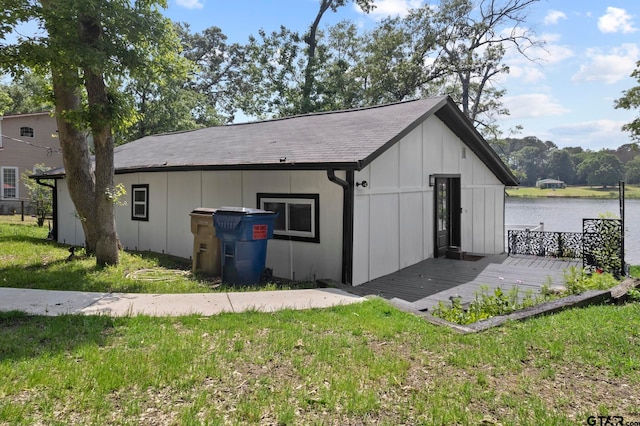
point(565, 96)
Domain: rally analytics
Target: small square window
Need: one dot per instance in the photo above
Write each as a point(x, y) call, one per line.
point(26, 132)
point(140, 202)
point(298, 215)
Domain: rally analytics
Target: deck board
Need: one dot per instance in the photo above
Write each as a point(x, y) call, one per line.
point(433, 280)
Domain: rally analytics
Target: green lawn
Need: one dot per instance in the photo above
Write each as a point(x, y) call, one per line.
point(28, 260)
point(360, 364)
point(366, 363)
point(631, 192)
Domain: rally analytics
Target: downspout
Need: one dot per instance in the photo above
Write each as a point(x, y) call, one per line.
point(347, 222)
point(54, 231)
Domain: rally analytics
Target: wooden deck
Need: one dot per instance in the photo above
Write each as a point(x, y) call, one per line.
point(434, 280)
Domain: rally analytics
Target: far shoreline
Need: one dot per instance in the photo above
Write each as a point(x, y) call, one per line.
point(587, 192)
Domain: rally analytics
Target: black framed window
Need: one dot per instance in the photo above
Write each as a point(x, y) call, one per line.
point(298, 215)
point(140, 202)
point(26, 132)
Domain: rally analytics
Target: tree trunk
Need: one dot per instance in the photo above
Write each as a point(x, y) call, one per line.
point(107, 243)
point(99, 102)
point(90, 186)
point(310, 69)
point(75, 153)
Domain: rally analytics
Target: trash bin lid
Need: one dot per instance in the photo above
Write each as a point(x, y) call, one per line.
point(203, 210)
point(241, 211)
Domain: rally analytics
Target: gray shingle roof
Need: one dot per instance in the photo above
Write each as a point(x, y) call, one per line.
point(342, 137)
point(348, 139)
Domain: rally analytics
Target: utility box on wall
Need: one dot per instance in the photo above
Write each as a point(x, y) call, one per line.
point(206, 246)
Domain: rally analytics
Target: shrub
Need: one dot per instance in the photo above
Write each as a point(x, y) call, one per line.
point(577, 281)
point(489, 304)
point(486, 305)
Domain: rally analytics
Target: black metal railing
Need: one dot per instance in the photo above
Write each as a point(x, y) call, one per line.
point(599, 245)
point(602, 246)
point(545, 243)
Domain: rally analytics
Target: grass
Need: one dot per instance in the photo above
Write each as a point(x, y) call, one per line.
point(631, 192)
point(361, 364)
point(366, 363)
point(29, 260)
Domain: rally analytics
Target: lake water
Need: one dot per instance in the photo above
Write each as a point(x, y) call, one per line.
point(566, 214)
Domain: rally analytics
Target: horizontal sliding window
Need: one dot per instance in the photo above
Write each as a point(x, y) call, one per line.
point(298, 215)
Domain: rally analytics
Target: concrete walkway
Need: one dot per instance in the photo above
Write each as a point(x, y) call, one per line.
point(422, 286)
point(53, 303)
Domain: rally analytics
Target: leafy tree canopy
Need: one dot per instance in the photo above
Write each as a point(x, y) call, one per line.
point(455, 49)
point(632, 171)
point(631, 100)
point(28, 92)
point(601, 168)
point(89, 48)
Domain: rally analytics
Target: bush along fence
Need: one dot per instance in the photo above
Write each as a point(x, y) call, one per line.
point(600, 245)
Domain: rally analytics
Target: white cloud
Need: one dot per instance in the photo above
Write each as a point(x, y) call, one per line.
point(608, 67)
point(190, 4)
point(616, 20)
point(528, 74)
point(549, 52)
point(532, 105)
point(385, 8)
point(531, 69)
point(592, 135)
point(554, 53)
point(553, 16)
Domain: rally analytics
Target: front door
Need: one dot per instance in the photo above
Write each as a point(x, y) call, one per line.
point(447, 214)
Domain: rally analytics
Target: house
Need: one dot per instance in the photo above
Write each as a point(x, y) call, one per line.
point(27, 140)
point(550, 184)
point(361, 193)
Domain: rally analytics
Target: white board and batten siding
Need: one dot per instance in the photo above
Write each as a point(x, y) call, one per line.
point(394, 213)
point(173, 195)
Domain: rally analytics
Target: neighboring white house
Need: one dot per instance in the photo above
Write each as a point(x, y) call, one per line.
point(361, 193)
point(550, 184)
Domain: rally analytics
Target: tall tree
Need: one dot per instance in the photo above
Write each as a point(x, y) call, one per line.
point(87, 48)
point(163, 105)
point(311, 40)
point(530, 160)
point(283, 68)
point(199, 90)
point(272, 74)
point(394, 55)
point(560, 166)
point(631, 100)
point(601, 168)
point(472, 40)
point(339, 81)
point(632, 171)
point(29, 92)
point(218, 72)
point(627, 152)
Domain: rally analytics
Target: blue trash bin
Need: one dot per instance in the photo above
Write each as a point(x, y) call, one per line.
point(243, 233)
